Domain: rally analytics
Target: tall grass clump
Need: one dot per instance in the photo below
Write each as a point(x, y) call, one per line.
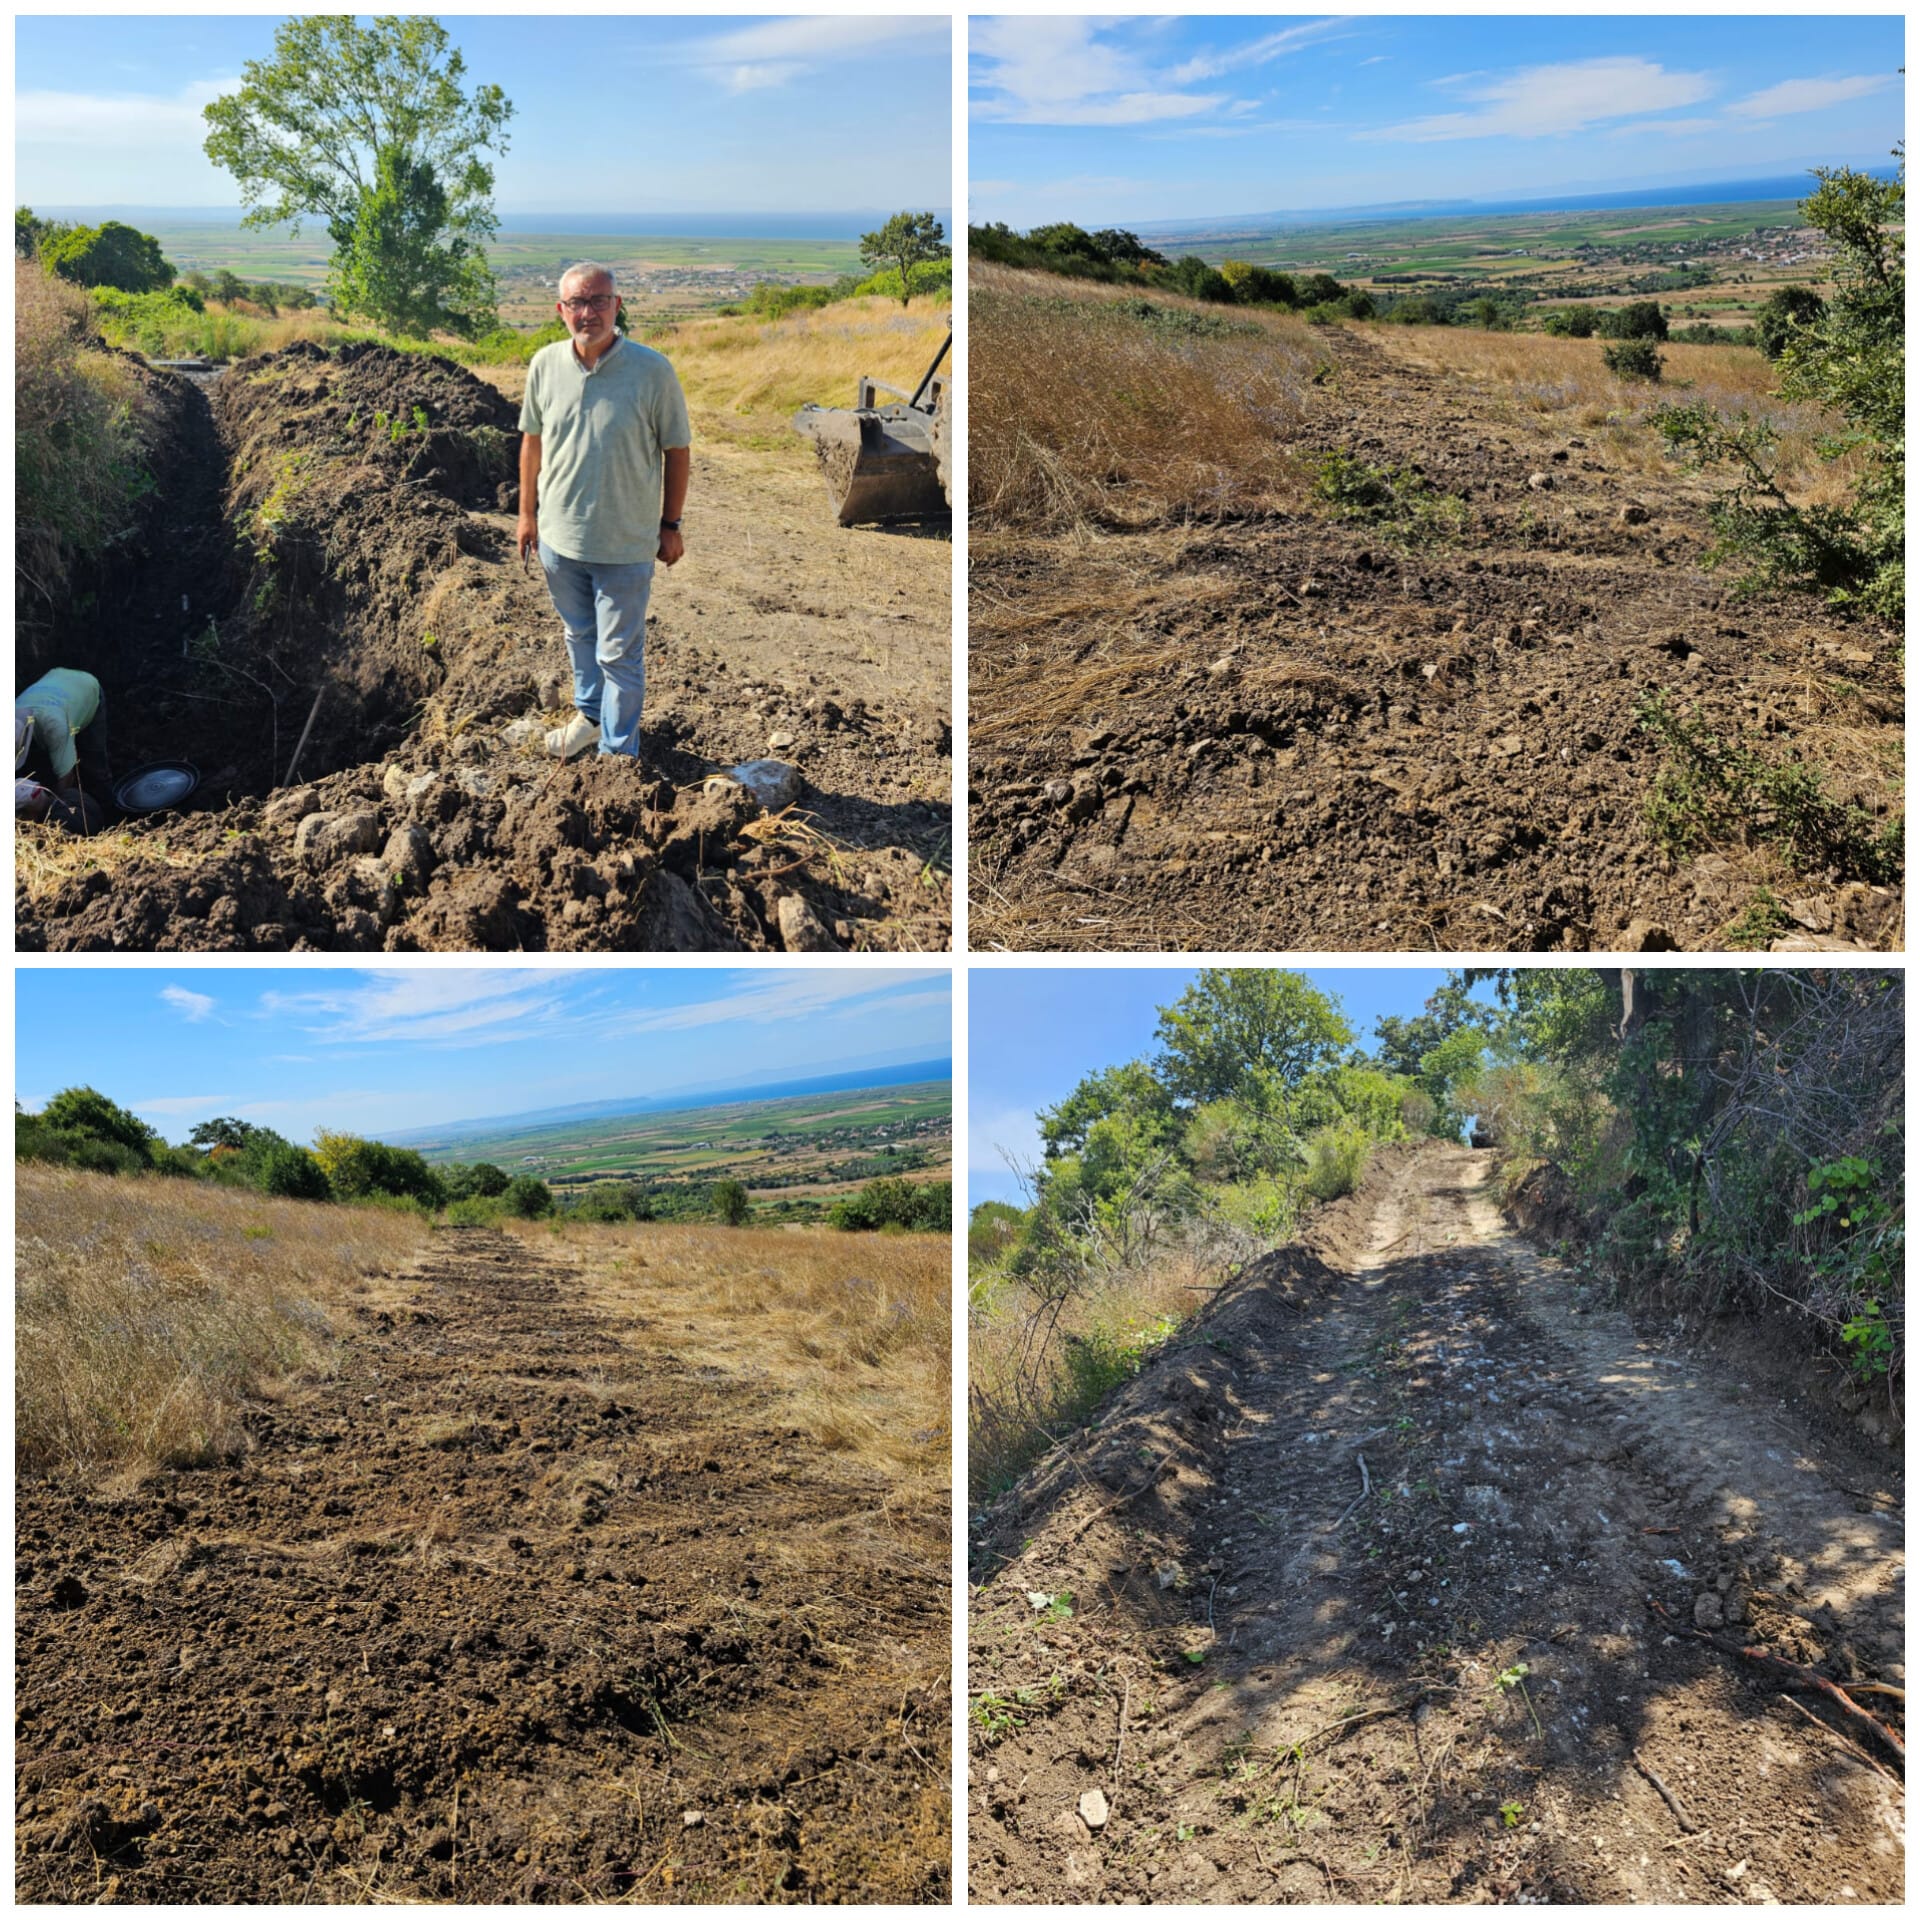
point(1094, 405)
point(147, 1310)
point(79, 454)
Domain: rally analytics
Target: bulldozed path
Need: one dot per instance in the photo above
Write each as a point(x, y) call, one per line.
point(1294, 732)
point(510, 1608)
point(1437, 1678)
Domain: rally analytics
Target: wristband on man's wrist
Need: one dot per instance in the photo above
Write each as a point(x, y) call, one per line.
point(669, 526)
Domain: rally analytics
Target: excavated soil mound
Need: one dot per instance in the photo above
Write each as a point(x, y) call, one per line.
point(1352, 1596)
point(336, 597)
point(1291, 733)
point(508, 1609)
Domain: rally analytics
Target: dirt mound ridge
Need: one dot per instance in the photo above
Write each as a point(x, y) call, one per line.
point(371, 615)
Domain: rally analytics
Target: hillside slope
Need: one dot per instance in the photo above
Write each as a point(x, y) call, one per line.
point(1258, 726)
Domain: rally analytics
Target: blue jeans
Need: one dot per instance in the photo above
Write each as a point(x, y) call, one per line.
point(604, 611)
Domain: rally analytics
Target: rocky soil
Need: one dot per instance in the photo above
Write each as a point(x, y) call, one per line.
point(341, 525)
point(1379, 1586)
point(512, 1607)
point(1295, 733)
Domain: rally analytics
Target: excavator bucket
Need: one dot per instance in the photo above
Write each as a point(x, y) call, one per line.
point(884, 462)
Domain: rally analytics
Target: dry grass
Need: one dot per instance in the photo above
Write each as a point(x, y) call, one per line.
point(854, 1328)
point(46, 856)
point(1565, 384)
point(1032, 1377)
point(1083, 414)
point(147, 1309)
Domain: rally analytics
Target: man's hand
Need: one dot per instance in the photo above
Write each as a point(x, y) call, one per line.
point(527, 536)
point(672, 547)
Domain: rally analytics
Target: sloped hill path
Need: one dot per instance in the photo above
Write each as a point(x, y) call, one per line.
point(513, 1607)
point(1285, 1675)
point(1292, 732)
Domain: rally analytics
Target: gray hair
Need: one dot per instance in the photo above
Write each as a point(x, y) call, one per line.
point(588, 270)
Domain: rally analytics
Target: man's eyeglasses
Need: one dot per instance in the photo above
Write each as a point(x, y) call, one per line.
point(594, 302)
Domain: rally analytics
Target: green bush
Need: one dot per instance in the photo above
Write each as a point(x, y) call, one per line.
point(1336, 1160)
point(994, 1230)
point(109, 255)
point(474, 1211)
point(526, 1197)
point(1638, 320)
point(1782, 314)
point(360, 1169)
point(906, 1205)
point(293, 1173)
point(481, 1180)
point(1635, 358)
point(1570, 323)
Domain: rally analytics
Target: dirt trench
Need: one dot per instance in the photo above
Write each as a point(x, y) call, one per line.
point(1436, 1679)
point(511, 1607)
point(326, 588)
point(1297, 733)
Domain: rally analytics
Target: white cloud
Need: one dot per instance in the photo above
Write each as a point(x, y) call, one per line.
point(1061, 71)
point(96, 120)
point(763, 998)
point(776, 53)
point(1808, 96)
point(455, 1007)
point(223, 1103)
point(1566, 98)
point(190, 1005)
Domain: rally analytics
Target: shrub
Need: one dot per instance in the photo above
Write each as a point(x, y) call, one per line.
point(1336, 1159)
point(1635, 358)
point(474, 1211)
point(292, 1173)
point(610, 1203)
point(1570, 323)
point(1851, 361)
point(480, 1181)
point(90, 1115)
point(1783, 313)
point(360, 1169)
point(905, 1205)
point(1399, 502)
point(1638, 320)
point(109, 255)
point(994, 1229)
point(527, 1198)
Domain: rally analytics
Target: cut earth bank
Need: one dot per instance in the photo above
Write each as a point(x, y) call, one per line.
point(1214, 1658)
point(340, 524)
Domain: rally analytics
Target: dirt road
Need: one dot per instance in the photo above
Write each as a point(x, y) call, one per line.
point(1435, 1678)
point(1299, 733)
point(513, 1607)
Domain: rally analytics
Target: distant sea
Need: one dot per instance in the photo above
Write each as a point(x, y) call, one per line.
point(843, 226)
point(1786, 186)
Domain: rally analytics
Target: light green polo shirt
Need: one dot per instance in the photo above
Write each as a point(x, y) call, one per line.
point(60, 702)
point(604, 436)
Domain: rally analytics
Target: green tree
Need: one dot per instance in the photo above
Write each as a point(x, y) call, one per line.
point(906, 241)
point(401, 267)
point(480, 1181)
point(372, 130)
point(224, 1132)
point(1253, 1033)
point(1401, 1043)
point(80, 1110)
point(1133, 1090)
point(727, 1201)
point(293, 1173)
point(1851, 360)
point(1637, 320)
point(531, 1199)
point(1780, 313)
point(31, 233)
point(109, 255)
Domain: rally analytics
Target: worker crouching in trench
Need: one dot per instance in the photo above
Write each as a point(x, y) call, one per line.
point(62, 765)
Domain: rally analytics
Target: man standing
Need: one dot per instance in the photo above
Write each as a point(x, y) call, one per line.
point(603, 476)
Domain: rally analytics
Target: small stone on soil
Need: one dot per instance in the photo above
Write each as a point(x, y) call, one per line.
point(1093, 1809)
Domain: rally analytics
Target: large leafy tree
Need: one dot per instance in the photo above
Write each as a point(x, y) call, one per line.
point(112, 254)
point(1248, 1033)
point(373, 130)
point(905, 242)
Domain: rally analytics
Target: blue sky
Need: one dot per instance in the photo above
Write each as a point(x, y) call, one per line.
point(1033, 1033)
point(1127, 121)
point(378, 1050)
point(615, 114)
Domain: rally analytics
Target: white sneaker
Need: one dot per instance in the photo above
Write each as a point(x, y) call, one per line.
point(572, 740)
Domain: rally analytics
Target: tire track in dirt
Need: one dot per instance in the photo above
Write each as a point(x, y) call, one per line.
point(512, 1606)
point(1534, 1471)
